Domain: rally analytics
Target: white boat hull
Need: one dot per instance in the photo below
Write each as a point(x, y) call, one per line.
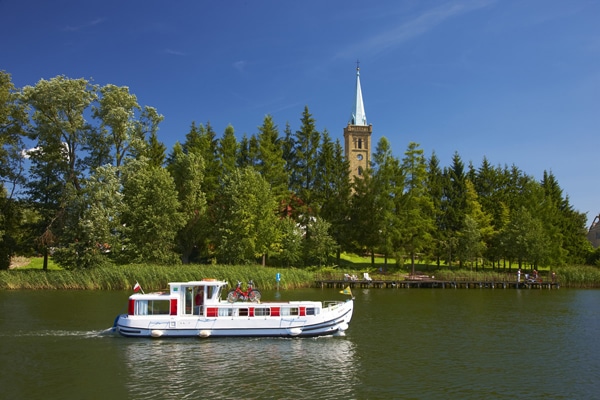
point(203, 327)
point(176, 314)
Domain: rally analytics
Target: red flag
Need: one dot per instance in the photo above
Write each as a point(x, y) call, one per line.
point(137, 287)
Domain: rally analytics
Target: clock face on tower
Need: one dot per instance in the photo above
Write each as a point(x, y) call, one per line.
point(359, 157)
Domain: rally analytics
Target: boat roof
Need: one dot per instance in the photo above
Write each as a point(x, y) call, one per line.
point(203, 282)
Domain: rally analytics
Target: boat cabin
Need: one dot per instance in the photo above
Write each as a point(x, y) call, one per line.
point(203, 298)
point(183, 298)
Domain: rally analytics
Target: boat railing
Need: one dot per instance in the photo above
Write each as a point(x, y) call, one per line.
point(331, 304)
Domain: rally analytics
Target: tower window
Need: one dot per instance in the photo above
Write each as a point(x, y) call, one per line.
point(360, 143)
point(360, 171)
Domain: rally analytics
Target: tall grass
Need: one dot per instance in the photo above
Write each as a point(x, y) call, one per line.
point(156, 277)
point(579, 276)
point(470, 275)
point(151, 277)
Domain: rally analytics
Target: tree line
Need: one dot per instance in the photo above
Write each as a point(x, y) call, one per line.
point(96, 186)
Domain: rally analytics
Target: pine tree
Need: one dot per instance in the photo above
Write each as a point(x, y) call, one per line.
point(303, 179)
point(415, 206)
point(227, 151)
point(271, 164)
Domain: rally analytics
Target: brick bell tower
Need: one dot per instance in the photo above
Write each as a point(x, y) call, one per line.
point(357, 135)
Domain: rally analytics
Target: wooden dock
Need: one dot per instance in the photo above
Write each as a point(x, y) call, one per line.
point(435, 284)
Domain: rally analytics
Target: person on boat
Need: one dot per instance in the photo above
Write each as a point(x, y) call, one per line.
point(198, 302)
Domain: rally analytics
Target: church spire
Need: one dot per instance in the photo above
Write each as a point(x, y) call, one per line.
point(358, 113)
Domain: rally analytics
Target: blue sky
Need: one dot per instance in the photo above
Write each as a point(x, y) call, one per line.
point(515, 81)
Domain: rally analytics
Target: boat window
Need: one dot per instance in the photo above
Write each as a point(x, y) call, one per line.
point(225, 312)
point(152, 307)
point(262, 312)
point(310, 311)
point(289, 310)
point(243, 312)
point(210, 291)
point(189, 295)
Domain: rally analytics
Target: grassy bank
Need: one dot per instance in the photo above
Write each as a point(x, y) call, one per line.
point(150, 277)
point(156, 277)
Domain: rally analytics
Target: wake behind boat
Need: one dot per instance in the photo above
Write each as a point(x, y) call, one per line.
point(195, 309)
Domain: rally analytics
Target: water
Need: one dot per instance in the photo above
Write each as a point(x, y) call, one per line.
point(402, 344)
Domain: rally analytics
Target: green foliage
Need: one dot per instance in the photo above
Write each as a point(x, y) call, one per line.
point(227, 151)
point(318, 244)
point(270, 162)
point(97, 192)
point(151, 216)
point(415, 207)
point(246, 218)
point(117, 135)
point(291, 242)
point(187, 170)
point(304, 161)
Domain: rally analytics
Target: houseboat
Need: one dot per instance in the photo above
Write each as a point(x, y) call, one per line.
point(195, 308)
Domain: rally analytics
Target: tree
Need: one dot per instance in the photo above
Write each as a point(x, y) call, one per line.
point(564, 226)
point(271, 164)
point(151, 215)
point(246, 219)
point(489, 185)
point(387, 189)
point(291, 242)
point(477, 231)
point(227, 151)
point(117, 135)
point(155, 151)
point(319, 245)
point(334, 191)
point(12, 122)
point(523, 238)
point(415, 207)
point(365, 230)
point(187, 171)
point(435, 180)
point(304, 162)
point(202, 142)
point(96, 237)
point(60, 130)
point(453, 204)
point(244, 155)
point(288, 144)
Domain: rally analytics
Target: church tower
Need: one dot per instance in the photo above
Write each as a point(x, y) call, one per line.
point(357, 135)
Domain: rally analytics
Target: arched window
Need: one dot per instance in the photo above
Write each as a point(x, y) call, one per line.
point(360, 143)
point(360, 171)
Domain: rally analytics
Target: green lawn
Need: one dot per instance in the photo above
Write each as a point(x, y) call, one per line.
point(35, 263)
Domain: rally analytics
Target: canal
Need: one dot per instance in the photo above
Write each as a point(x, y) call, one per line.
point(401, 344)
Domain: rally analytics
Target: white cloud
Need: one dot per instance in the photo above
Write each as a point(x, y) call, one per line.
point(175, 52)
point(409, 29)
point(85, 25)
point(240, 65)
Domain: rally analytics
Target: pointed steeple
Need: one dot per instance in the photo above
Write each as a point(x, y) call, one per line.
point(358, 113)
point(357, 136)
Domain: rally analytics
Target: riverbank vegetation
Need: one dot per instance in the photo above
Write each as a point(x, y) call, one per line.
point(151, 277)
point(156, 277)
point(85, 180)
